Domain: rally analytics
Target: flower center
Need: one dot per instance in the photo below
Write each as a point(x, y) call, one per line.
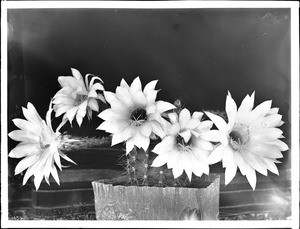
point(43, 146)
point(79, 99)
point(239, 136)
point(138, 116)
point(182, 145)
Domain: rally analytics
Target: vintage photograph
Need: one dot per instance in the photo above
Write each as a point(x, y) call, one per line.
point(119, 114)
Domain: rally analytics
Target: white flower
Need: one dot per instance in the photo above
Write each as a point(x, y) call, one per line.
point(77, 97)
point(38, 144)
point(249, 141)
point(183, 148)
point(134, 115)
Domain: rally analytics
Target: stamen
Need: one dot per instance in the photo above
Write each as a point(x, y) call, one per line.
point(42, 145)
point(138, 116)
point(80, 98)
point(239, 136)
point(182, 146)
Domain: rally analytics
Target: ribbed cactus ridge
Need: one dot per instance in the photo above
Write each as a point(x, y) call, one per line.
point(138, 169)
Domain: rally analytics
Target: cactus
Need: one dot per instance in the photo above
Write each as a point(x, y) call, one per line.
point(138, 170)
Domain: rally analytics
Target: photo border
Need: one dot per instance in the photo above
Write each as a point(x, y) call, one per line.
point(294, 7)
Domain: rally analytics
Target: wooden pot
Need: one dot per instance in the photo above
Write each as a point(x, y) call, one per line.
point(115, 201)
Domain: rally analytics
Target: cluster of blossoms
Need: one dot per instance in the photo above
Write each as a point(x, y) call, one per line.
point(188, 143)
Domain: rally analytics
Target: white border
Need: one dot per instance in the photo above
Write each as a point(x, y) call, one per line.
point(151, 4)
point(295, 112)
point(294, 6)
point(4, 147)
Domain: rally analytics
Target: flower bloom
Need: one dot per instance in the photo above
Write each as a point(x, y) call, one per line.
point(77, 97)
point(249, 141)
point(134, 115)
point(183, 148)
point(38, 144)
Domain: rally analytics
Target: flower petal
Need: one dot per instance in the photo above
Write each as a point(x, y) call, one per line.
point(151, 109)
point(162, 106)
point(135, 86)
point(218, 121)
point(227, 157)
point(267, 121)
point(230, 173)
point(110, 115)
point(24, 150)
point(251, 177)
point(173, 118)
point(70, 114)
point(77, 75)
point(186, 135)
point(177, 171)
point(62, 109)
point(141, 141)
point(24, 136)
point(124, 83)
point(167, 144)
point(160, 160)
point(27, 126)
point(193, 123)
point(113, 127)
point(139, 99)
point(64, 100)
point(129, 146)
point(260, 111)
point(271, 166)
point(157, 129)
point(216, 155)
point(151, 96)
point(120, 108)
point(255, 162)
point(66, 158)
point(184, 117)
point(205, 126)
point(280, 144)
point(96, 86)
point(245, 107)
point(273, 110)
point(150, 87)
point(55, 174)
point(231, 111)
point(93, 104)
point(29, 172)
point(68, 81)
point(110, 96)
point(57, 160)
point(265, 134)
point(26, 162)
point(116, 139)
point(203, 144)
point(92, 94)
point(264, 150)
point(31, 115)
point(124, 95)
point(145, 129)
point(240, 162)
point(211, 135)
point(197, 115)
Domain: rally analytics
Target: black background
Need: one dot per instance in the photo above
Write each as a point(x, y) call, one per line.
point(196, 54)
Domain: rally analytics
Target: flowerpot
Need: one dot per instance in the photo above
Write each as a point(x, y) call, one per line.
point(116, 201)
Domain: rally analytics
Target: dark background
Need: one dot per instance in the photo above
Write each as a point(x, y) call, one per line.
point(196, 54)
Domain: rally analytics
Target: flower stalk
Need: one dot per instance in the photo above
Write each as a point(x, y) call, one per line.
point(70, 143)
